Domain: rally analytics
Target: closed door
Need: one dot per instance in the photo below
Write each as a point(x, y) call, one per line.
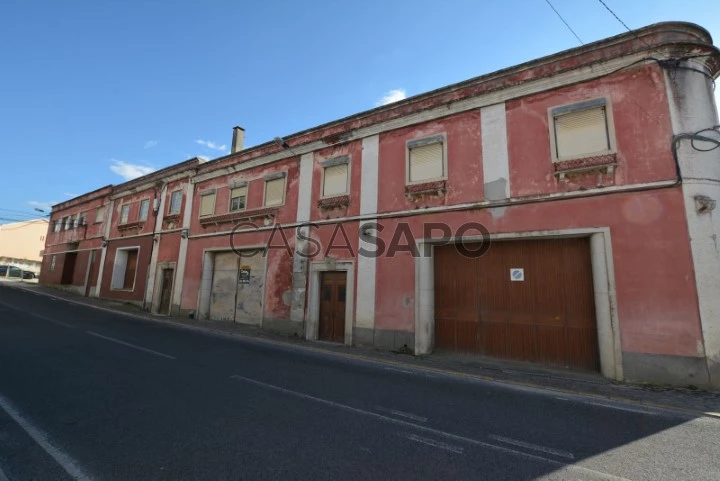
point(167, 281)
point(224, 286)
point(529, 300)
point(130, 268)
point(332, 306)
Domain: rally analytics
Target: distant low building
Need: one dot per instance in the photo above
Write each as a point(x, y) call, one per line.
point(21, 244)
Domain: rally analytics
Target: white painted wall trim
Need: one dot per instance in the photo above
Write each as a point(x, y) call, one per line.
point(178, 282)
point(610, 349)
point(313, 323)
point(473, 205)
point(150, 282)
point(103, 254)
point(495, 160)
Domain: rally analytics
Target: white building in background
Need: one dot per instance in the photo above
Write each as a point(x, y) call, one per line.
point(21, 244)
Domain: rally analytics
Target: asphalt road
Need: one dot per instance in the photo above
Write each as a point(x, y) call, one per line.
point(86, 394)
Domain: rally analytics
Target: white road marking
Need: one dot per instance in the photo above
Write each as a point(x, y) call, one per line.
point(623, 408)
point(54, 321)
point(398, 370)
point(427, 429)
point(402, 414)
point(70, 465)
point(433, 443)
point(536, 447)
point(139, 348)
point(3, 476)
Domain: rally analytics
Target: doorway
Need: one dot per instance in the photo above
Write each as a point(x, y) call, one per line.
point(68, 268)
point(333, 292)
point(166, 291)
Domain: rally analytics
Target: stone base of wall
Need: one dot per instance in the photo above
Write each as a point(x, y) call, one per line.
point(284, 327)
point(386, 340)
point(663, 369)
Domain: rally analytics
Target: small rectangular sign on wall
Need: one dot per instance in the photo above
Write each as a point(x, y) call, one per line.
point(244, 275)
point(517, 274)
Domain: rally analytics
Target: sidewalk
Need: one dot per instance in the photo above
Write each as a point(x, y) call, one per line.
point(694, 401)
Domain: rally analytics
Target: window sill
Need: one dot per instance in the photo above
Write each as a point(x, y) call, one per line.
point(130, 225)
point(336, 202)
point(240, 215)
point(433, 188)
point(605, 162)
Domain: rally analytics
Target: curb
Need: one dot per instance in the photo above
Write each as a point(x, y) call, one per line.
point(396, 364)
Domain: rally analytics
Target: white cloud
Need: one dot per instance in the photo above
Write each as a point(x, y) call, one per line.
point(46, 206)
point(150, 144)
point(203, 158)
point(394, 95)
point(129, 171)
point(211, 145)
point(69, 194)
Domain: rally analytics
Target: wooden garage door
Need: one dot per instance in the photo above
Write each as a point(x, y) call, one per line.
point(547, 318)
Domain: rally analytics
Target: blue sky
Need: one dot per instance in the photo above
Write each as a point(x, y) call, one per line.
point(95, 91)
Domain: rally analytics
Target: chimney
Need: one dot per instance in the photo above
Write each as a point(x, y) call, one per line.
point(238, 139)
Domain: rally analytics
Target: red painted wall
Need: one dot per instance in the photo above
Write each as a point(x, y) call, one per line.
point(145, 244)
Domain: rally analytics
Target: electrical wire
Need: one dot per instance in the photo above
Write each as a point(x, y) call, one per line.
point(563, 21)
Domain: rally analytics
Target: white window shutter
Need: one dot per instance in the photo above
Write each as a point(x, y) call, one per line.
point(239, 192)
point(336, 178)
point(426, 162)
point(274, 190)
point(581, 133)
point(207, 204)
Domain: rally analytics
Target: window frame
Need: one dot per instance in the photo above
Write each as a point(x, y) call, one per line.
point(172, 194)
point(100, 214)
point(145, 201)
point(127, 218)
point(269, 178)
point(433, 139)
point(206, 193)
point(343, 160)
point(557, 110)
point(115, 275)
point(238, 185)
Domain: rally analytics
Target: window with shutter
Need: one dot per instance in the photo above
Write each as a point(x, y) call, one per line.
point(144, 209)
point(175, 202)
point(237, 198)
point(581, 133)
point(335, 180)
point(274, 191)
point(207, 204)
point(426, 163)
point(124, 214)
point(100, 214)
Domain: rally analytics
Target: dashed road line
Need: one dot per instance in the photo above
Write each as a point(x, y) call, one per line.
point(134, 346)
point(534, 447)
point(70, 465)
point(434, 443)
point(402, 414)
point(436, 432)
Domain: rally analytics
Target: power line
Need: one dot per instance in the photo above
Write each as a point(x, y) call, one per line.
point(615, 15)
point(563, 21)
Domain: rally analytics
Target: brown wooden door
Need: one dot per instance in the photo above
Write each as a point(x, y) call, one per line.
point(167, 282)
point(68, 268)
point(547, 318)
point(332, 306)
point(130, 268)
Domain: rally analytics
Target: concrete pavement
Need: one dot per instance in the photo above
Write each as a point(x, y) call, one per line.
point(90, 394)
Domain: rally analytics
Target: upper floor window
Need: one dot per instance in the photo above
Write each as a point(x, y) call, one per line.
point(124, 213)
point(238, 196)
point(57, 227)
point(69, 221)
point(100, 214)
point(175, 202)
point(274, 189)
point(207, 203)
point(144, 209)
point(426, 160)
point(581, 130)
point(335, 177)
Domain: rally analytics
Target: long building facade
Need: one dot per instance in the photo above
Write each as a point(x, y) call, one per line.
point(560, 212)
